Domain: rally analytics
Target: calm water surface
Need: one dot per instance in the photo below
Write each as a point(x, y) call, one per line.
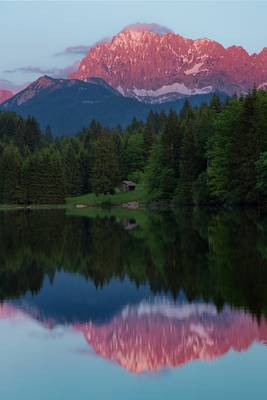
point(133, 305)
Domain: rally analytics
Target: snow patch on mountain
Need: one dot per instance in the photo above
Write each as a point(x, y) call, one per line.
point(155, 67)
point(194, 70)
point(200, 330)
point(263, 86)
point(121, 90)
point(165, 92)
point(170, 309)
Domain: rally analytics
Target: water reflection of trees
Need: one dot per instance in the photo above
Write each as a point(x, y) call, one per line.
point(219, 257)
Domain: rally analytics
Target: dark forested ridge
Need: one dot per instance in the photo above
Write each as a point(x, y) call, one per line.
point(212, 154)
point(69, 105)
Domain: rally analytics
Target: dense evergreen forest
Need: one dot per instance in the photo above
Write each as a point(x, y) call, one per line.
point(213, 154)
point(204, 254)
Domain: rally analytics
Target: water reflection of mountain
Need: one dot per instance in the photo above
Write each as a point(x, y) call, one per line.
point(151, 336)
point(218, 257)
point(159, 333)
point(71, 298)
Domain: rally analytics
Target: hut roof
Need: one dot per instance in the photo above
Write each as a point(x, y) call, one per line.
point(129, 183)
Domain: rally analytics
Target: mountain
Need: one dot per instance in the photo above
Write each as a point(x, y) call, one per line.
point(152, 64)
point(149, 337)
point(4, 95)
point(67, 105)
point(139, 27)
point(161, 334)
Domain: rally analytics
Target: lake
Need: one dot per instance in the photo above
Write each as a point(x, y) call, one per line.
point(133, 305)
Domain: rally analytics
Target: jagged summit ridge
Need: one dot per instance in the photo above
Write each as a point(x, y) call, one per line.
point(156, 65)
point(145, 27)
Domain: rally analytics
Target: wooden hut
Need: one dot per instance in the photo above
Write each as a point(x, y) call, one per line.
point(127, 186)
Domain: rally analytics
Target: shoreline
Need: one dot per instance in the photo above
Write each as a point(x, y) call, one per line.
point(124, 206)
point(127, 206)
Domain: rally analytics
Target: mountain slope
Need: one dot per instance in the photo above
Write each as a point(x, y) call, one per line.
point(68, 105)
point(155, 65)
point(5, 95)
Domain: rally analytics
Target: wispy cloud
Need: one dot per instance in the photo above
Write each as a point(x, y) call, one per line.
point(32, 70)
point(79, 50)
point(6, 84)
point(64, 72)
point(53, 72)
point(56, 72)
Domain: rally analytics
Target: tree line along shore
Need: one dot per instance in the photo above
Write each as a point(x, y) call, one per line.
point(215, 154)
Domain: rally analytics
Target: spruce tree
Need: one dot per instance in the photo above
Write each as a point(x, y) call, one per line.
point(10, 175)
point(222, 155)
point(72, 166)
point(250, 142)
point(32, 134)
point(45, 178)
point(171, 142)
point(188, 170)
point(105, 170)
point(149, 134)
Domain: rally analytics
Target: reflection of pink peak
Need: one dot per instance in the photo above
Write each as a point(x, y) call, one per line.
point(7, 311)
point(10, 312)
point(161, 334)
point(153, 336)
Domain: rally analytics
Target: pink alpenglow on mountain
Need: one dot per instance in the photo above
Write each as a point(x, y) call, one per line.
point(152, 336)
point(150, 63)
point(5, 95)
point(33, 89)
point(159, 334)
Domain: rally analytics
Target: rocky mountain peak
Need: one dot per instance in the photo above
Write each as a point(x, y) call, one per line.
point(153, 64)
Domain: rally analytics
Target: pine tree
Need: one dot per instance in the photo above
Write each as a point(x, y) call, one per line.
point(163, 165)
point(215, 104)
point(72, 166)
point(32, 134)
point(154, 176)
point(135, 126)
point(48, 133)
point(45, 178)
point(149, 134)
point(250, 141)
point(133, 156)
point(188, 167)
point(105, 171)
point(171, 142)
point(10, 175)
point(186, 112)
point(222, 155)
point(261, 169)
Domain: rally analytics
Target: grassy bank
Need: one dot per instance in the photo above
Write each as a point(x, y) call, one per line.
point(90, 200)
point(116, 199)
point(10, 207)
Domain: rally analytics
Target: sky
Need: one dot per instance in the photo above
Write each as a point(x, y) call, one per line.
point(34, 35)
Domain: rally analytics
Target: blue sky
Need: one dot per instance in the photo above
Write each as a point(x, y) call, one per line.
point(33, 33)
